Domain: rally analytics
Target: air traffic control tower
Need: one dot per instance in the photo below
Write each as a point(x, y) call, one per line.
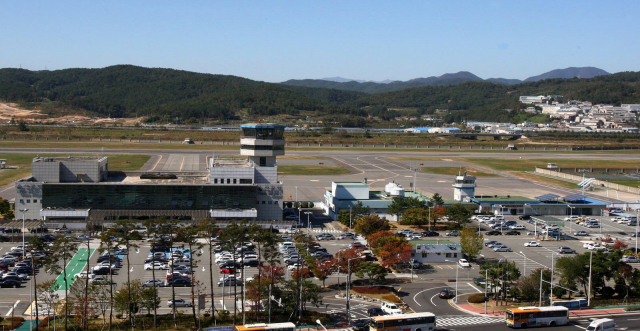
point(464, 187)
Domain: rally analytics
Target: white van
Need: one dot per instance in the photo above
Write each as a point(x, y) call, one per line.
point(602, 324)
point(390, 308)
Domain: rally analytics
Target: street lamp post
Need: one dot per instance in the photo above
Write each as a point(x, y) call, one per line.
point(570, 218)
point(24, 211)
point(308, 222)
point(349, 217)
point(411, 261)
point(589, 294)
point(349, 287)
point(455, 299)
point(637, 214)
point(552, 270)
point(525, 263)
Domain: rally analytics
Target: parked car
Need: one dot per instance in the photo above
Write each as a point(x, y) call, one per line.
point(490, 243)
point(453, 233)
point(581, 233)
point(10, 283)
point(152, 282)
point(229, 281)
point(178, 303)
point(325, 236)
point(347, 235)
point(429, 234)
point(512, 233)
point(532, 244)
point(493, 233)
point(517, 227)
point(464, 263)
point(524, 217)
point(566, 250)
point(156, 266)
point(179, 282)
point(502, 248)
point(630, 259)
point(360, 325)
point(228, 270)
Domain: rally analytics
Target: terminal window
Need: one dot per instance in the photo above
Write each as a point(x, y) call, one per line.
point(28, 200)
point(245, 181)
point(215, 180)
point(228, 180)
point(234, 181)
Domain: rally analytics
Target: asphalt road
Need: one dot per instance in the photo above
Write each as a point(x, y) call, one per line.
point(623, 323)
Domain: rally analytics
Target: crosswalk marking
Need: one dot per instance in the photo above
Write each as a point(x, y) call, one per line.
point(467, 320)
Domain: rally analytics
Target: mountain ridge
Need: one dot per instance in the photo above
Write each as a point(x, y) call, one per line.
point(359, 85)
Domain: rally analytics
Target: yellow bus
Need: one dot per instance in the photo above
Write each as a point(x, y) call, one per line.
point(525, 317)
point(413, 322)
point(264, 327)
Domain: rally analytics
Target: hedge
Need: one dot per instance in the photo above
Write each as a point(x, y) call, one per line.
point(476, 298)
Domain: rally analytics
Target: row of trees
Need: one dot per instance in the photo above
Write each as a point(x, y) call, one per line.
point(610, 278)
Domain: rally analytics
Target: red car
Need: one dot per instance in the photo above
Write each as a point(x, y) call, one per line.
point(228, 270)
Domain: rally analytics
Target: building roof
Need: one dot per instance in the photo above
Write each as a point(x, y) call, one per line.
point(352, 184)
point(263, 126)
point(68, 158)
point(499, 199)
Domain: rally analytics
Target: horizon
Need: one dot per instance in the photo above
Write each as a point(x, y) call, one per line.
point(278, 41)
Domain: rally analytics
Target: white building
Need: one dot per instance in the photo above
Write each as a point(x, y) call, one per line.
point(533, 99)
point(435, 251)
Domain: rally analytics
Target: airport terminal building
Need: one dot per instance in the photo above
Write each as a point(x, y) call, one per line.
point(83, 188)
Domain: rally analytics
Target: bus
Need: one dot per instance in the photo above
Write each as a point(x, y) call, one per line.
point(264, 327)
point(414, 322)
point(524, 317)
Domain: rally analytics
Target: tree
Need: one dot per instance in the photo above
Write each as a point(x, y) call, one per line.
point(22, 126)
point(459, 214)
point(359, 209)
point(48, 295)
point(394, 251)
point(189, 236)
point(372, 271)
point(437, 199)
point(107, 242)
point(323, 269)
point(235, 234)
point(154, 227)
point(344, 218)
point(343, 257)
point(471, 242)
point(168, 230)
point(121, 301)
point(210, 230)
point(149, 299)
point(573, 270)
point(399, 205)
point(619, 244)
point(374, 240)
point(369, 224)
point(415, 216)
point(124, 230)
point(61, 253)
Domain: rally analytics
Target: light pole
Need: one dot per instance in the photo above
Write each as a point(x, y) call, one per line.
point(318, 321)
point(486, 275)
point(308, 222)
point(455, 299)
point(411, 261)
point(349, 217)
point(637, 214)
point(552, 269)
point(589, 294)
point(525, 264)
point(349, 287)
point(570, 218)
point(24, 211)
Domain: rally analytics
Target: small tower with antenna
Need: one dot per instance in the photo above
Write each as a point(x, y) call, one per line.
point(464, 187)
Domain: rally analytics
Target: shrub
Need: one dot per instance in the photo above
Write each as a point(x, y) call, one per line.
point(371, 290)
point(607, 291)
point(632, 308)
point(311, 204)
point(476, 298)
point(304, 205)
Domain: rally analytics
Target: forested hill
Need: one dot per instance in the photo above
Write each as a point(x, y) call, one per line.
point(127, 91)
point(486, 101)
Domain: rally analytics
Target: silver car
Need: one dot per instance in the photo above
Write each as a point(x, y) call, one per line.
point(501, 249)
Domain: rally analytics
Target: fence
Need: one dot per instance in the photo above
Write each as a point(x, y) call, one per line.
point(600, 183)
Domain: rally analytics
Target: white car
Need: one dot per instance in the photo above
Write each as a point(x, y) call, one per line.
point(156, 266)
point(532, 244)
point(595, 247)
point(581, 233)
point(464, 263)
point(587, 244)
point(517, 227)
point(178, 303)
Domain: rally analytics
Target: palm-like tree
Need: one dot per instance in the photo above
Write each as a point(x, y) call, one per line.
point(63, 250)
point(210, 230)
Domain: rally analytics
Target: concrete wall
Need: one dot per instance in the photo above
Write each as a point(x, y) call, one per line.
point(600, 183)
point(269, 202)
point(46, 171)
point(350, 192)
point(224, 173)
point(266, 175)
point(29, 196)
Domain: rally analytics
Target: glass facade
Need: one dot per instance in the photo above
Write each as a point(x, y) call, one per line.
point(263, 147)
point(148, 197)
point(263, 132)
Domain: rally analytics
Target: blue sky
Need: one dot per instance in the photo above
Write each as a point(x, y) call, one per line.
point(278, 40)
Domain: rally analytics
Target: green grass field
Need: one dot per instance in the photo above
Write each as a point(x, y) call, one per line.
point(530, 164)
point(453, 171)
point(310, 170)
point(22, 161)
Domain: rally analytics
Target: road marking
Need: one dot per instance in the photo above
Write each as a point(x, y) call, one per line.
point(432, 299)
point(12, 308)
point(154, 167)
point(474, 287)
point(182, 164)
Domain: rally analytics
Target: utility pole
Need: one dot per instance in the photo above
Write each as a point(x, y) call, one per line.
point(591, 260)
point(540, 304)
